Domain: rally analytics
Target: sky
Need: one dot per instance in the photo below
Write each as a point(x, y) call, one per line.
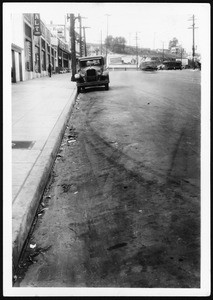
point(155, 23)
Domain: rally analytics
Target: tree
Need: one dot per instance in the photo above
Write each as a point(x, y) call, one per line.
point(109, 41)
point(173, 43)
point(120, 44)
point(116, 44)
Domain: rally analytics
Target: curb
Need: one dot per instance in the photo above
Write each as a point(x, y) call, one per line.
point(27, 202)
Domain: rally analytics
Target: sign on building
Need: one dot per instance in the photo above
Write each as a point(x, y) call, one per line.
point(37, 25)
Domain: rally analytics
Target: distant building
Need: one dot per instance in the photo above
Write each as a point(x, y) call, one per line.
point(175, 50)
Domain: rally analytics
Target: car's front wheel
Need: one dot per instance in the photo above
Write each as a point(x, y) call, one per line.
point(78, 89)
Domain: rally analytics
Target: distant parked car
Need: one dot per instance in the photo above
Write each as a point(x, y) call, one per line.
point(92, 71)
point(150, 65)
point(172, 65)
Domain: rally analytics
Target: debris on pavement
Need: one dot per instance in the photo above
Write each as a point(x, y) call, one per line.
point(117, 246)
point(71, 141)
point(32, 246)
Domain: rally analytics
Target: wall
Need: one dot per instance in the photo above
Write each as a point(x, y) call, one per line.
point(18, 40)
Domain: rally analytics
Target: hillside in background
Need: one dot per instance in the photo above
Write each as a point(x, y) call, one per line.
point(159, 55)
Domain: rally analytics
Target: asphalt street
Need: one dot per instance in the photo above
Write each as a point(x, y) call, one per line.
point(122, 208)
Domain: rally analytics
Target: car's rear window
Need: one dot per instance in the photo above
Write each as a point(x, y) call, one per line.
point(89, 62)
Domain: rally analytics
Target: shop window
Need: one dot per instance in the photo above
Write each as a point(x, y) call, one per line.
point(37, 41)
point(28, 55)
point(65, 56)
point(59, 62)
point(43, 44)
point(37, 60)
point(65, 64)
point(43, 60)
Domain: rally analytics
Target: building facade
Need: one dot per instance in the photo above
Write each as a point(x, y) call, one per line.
point(17, 48)
point(32, 54)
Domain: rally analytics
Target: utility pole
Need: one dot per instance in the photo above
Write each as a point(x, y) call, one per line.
point(85, 45)
point(163, 51)
point(80, 36)
point(80, 33)
point(181, 54)
point(101, 42)
point(72, 38)
point(193, 40)
point(65, 29)
point(136, 38)
point(107, 35)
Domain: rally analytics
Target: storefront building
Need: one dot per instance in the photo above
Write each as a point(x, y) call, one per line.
point(64, 56)
point(17, 49)
point(31, 54)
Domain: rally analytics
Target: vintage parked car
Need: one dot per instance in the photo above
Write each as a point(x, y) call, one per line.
point(172, 65)
point(92, 71)
point(148, 65)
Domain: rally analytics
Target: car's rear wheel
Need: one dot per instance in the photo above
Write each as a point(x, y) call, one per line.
point(78, 89)
point(106, 86)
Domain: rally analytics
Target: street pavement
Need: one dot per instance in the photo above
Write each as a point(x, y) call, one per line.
point(122, 207)
point(40, 111)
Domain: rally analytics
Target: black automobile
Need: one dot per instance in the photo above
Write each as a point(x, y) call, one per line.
point(172, 65)
point(92, 71)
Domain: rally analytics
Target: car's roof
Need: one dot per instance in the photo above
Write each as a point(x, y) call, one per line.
point(90, 57)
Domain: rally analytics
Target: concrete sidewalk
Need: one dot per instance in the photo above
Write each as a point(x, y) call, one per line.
point(40, 111)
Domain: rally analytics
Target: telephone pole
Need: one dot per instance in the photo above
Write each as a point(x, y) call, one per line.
point(193, 40)
point(181, 54)
point(80, 36)
point(72, 38)
point(107, 15)
point(85, 45)
point(163, 51)
point(101, 42)
point(136, 39)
